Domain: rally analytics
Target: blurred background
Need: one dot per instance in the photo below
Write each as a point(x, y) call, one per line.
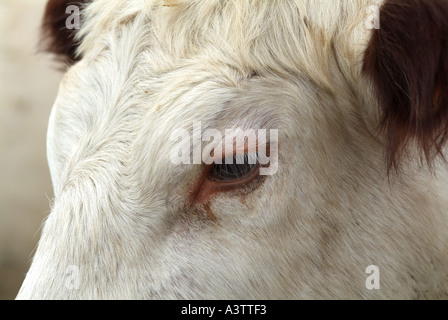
point(28, 88)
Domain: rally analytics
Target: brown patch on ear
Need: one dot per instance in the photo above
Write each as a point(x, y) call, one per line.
point(56, 37)
point(407, 59)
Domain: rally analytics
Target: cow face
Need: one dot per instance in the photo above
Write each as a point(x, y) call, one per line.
point(313, 81)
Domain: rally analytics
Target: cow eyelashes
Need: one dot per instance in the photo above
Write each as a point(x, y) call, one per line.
point(236, 168)
point(235, 173)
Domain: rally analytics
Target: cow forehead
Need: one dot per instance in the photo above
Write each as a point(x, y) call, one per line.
point(187, 60)
point(261, 35)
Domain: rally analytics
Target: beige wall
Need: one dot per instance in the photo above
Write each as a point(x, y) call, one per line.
point(28, 86)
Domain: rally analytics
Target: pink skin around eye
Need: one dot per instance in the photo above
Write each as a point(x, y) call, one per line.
point(205, 189)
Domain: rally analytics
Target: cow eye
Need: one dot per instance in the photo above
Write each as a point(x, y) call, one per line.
point(234, 173)
point(236, 168)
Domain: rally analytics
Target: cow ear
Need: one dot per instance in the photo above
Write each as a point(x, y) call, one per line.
point(407, 62)
point(60, 24)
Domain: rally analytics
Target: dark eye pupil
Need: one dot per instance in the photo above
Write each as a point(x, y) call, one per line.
point(233, 171)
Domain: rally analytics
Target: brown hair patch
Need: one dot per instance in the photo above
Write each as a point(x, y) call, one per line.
point(56, 37)
point(407, 61)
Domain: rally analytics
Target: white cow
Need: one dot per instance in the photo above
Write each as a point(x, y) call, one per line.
point(358, 205)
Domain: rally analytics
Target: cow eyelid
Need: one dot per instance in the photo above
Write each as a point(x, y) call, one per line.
point(236, 168)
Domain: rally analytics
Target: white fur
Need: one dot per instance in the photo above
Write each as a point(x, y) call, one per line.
point(121, 211)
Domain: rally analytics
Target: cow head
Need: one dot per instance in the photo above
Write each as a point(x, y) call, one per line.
point(349, 102)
